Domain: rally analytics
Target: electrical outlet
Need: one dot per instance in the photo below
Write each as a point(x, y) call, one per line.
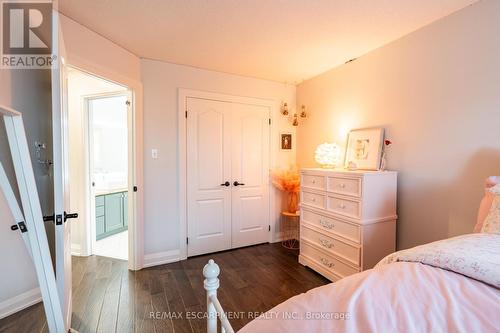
point(154, 154)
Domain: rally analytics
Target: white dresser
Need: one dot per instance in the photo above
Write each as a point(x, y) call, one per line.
point(348, 220)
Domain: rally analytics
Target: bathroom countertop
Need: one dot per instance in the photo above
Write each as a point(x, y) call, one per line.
point(111, 191)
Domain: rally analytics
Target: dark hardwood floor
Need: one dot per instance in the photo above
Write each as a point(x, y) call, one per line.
point(171, 298)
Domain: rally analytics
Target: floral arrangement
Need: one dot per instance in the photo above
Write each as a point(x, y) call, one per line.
point(288, 181)
point(383, 162)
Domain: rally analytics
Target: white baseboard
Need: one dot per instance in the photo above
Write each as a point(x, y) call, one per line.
point(161, 258)
point(20, 302)
point(278, 237)
point(76, 250)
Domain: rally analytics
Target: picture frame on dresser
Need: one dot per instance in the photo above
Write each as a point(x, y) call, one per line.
point(348, 220)
point(364, 149)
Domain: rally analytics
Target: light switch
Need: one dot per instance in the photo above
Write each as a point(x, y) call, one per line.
point(154, 154)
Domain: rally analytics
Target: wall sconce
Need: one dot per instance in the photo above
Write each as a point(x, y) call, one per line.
point(284, 109)
point(295, 122)
point(303, 113)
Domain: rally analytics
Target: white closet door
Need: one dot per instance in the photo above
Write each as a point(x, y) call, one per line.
point(208, 166)
point(250, 166)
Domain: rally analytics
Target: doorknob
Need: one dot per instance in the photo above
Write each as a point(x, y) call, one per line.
point(70, 216)
point(237, 184)
point(225, 184)
point(59, 218)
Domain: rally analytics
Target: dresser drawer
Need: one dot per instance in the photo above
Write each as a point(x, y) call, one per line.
point(345, 186)
point(329, 224)
point(314, 182)
point(345, 207)
point(327, 261)
point(314, 199)
point(332, 245)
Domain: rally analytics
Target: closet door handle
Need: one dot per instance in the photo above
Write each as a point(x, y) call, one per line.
point(226, 184)
point(237, 184)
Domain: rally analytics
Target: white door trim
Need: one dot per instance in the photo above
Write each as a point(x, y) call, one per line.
point(136, 241)
point(183, 95)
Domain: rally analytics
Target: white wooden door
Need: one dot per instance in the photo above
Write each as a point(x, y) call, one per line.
point(250, 167)
point(60, 176)
point(227, 175)
point(208, 167)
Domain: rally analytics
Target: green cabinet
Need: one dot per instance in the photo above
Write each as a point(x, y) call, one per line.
point(111, 214)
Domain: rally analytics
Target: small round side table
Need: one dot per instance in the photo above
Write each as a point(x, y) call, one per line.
point(290, 230)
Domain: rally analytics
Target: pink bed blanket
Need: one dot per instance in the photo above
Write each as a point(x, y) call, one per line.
point(446, 286)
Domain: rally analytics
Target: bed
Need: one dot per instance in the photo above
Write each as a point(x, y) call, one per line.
point(452, 285)
point(432, 288)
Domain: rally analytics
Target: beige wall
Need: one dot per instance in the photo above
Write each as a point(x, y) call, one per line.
point(436, 91)
point(161, 83)
point(95, 54)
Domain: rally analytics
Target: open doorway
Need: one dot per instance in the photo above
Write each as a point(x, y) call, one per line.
point(108, 173)
point(99, 119)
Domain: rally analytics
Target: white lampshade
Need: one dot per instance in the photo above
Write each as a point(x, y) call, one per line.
point(327, 155)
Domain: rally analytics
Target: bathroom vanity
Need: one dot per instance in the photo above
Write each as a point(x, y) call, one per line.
point(111, 212)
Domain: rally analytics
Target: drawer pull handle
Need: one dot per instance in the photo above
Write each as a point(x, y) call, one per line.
point(313, 199)
point(342, 206)
point(326, 243)
point(313, 181)
point(327, 263)
point(342, 185)
point(326, 224)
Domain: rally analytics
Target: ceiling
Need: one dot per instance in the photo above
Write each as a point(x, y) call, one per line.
point(281, 40)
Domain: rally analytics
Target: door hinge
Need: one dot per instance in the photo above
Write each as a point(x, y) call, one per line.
point(128, 103)
point(269, 121)
point(186, 114)
point(187, 240)
point(269, 227)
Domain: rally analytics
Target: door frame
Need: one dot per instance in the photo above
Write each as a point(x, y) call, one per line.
point(90, 236)
point(183, 95)
point(135, 227)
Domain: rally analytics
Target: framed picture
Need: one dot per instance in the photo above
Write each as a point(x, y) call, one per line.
point(286, 141)
point(364, 149)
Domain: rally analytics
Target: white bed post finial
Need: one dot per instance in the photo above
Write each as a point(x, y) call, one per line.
point(211, 273)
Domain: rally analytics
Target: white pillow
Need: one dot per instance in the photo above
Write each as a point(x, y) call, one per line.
point(495, 189)
point(491, 224)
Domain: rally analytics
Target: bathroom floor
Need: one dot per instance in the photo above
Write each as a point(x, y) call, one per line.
point(115, 246)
